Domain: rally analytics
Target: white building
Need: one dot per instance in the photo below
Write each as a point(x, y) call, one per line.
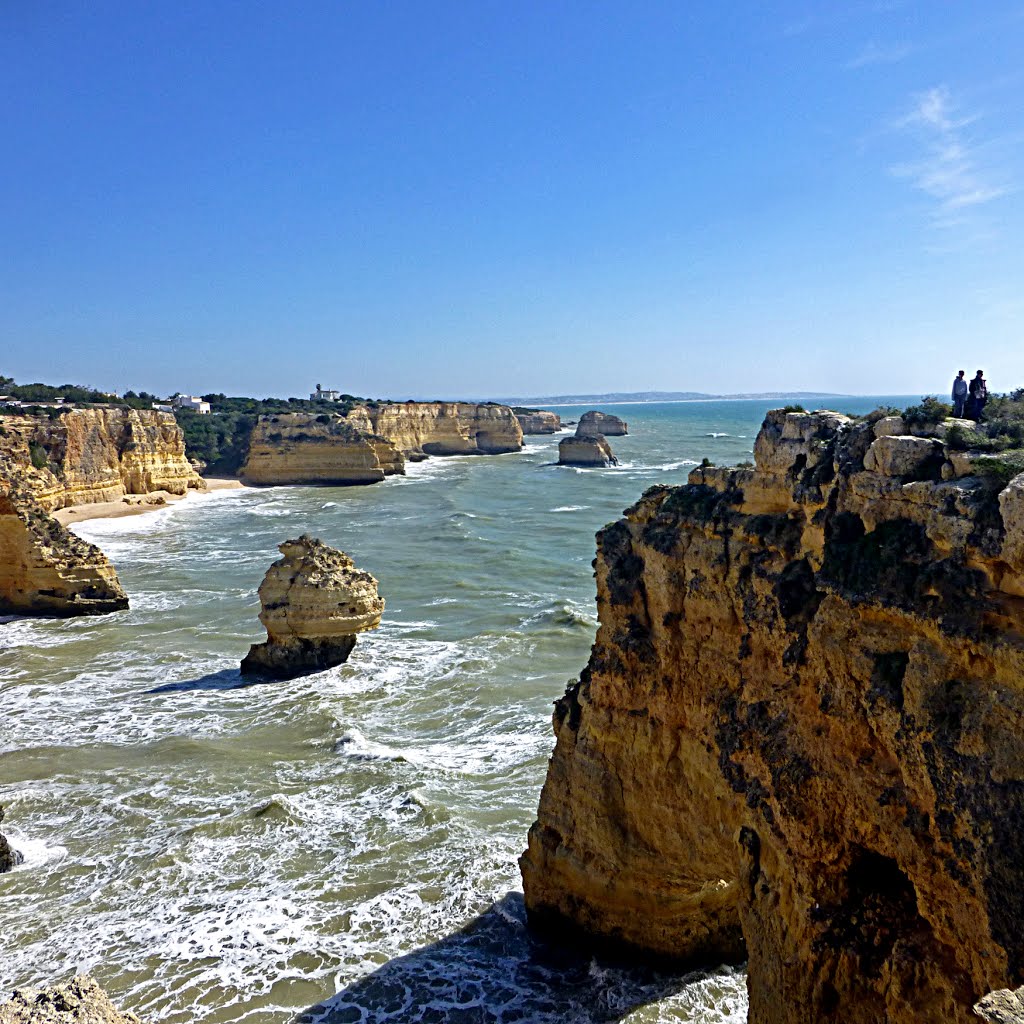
point(324, 396)
point(193, 403)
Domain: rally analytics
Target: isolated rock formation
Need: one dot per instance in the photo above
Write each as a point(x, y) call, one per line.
point(595, 422)
point(306, 448)
point(90, 455)
point(585, 450)
point(79, 1001)
point(314, 601)
point(9, 857)
point(539, 421)
point(44, 568)
point(419, 429)
point(800, 736)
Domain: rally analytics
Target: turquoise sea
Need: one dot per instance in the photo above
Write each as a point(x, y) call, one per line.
point(214, 851)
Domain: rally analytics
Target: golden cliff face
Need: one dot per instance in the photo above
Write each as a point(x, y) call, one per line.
point(45, 569)
point(303, 448)
point(442, 428)
point(800, 736)
point(539, 422)
point(91, 455)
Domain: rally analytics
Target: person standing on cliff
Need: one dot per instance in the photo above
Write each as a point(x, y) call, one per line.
point(978, 389)
point(959, 394)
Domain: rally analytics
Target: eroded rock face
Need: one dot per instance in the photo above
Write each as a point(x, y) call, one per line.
point(585, 450)
point(306, 448)
point(419, 429)
point(800, 736)
point(1003, 1007)
point(9, 857)
point(79, 1001)
point(44, 568)
point(539, 422)
point(604, 423)
point(315, 601)
point(93, 455)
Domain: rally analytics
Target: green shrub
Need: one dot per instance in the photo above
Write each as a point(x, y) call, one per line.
point(38, 455)
point(793, 408)
point(930, 412)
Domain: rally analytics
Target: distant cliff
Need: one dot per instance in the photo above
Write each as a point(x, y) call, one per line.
point(800, 737)
point(45, 569)
point(303, 448)
point(89, 455)
point(538, 421)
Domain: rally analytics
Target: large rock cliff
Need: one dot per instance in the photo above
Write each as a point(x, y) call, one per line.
point(306, 448)
point(45, 569)
point(90, 455)
point(800, 736)
point(441, 428)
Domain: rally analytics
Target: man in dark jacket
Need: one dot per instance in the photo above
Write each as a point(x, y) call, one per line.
point(978, 389)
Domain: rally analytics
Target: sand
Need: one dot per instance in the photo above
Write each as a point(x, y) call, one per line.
point(137, 504)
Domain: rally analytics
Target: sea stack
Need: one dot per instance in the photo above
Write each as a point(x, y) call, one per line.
point(9, 857)
point(585, 450)
point(314, 602)
point(595, 422)
point(538, 421)
point(799, 738)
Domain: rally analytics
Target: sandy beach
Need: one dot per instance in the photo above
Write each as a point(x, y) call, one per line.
point(138, 504)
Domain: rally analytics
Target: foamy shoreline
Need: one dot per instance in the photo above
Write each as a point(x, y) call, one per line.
point(121, 508)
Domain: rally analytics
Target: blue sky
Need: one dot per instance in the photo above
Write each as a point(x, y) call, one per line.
point(480, 198)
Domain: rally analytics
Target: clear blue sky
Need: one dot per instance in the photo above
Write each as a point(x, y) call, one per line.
point(477, 198)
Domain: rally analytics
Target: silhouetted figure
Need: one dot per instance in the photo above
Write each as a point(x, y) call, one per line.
point(978, 396)
point(959, 394)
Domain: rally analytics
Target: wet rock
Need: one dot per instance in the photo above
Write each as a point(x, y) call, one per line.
point(315, 601)
point(79, 1001)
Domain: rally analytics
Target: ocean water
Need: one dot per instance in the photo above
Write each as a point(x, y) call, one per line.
point(339, 847)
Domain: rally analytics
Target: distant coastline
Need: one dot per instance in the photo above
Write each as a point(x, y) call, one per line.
point(666, 397)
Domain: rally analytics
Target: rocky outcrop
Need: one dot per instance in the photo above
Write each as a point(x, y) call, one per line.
point(315, 601)
point(9, 857)
point(539, 421)
point(595, 422)
point(585, 450)
point(306, 448)
point(44, 568)
point(1002, 1007)
point(419, 429)
point(90, 455)
point(800, 736)
point(79, 1001)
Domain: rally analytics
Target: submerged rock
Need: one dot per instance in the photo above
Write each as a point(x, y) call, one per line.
point(79, 1001)
point(9, 857)
point(595, 422)
point(314, 601)
point(585, 450)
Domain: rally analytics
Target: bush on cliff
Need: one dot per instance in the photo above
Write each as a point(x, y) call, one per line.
point(928, 413)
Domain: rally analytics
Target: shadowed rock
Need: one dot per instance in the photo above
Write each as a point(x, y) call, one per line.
point(9, 857)
point(314, 601)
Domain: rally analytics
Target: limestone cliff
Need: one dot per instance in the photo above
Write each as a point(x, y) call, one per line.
point(45, 569)
point(604, 423)
point(305, 448)
point(79, 1001)
point(800, 736)
point(314, 602)
point(585, 450)
point(101, 454)
point(539, 421)
point(419, 429)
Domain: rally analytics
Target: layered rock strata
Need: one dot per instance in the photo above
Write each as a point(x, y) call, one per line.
point(305, 448)
point(539, 421)
point(585, 450)
point(604, 423)
point(419, 429)
point(44, 568)
point(315, 601)
point(800, 736)
point(79, 1001)
point(92, 455)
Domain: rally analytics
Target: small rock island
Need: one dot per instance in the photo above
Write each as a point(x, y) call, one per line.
point(604, 423)
point(585, 450)
point(314, 602)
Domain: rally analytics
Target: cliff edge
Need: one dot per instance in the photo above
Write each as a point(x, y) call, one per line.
point(800, 736)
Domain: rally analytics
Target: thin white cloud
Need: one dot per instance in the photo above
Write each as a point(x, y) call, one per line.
point(874, 53)
point(950, 171)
